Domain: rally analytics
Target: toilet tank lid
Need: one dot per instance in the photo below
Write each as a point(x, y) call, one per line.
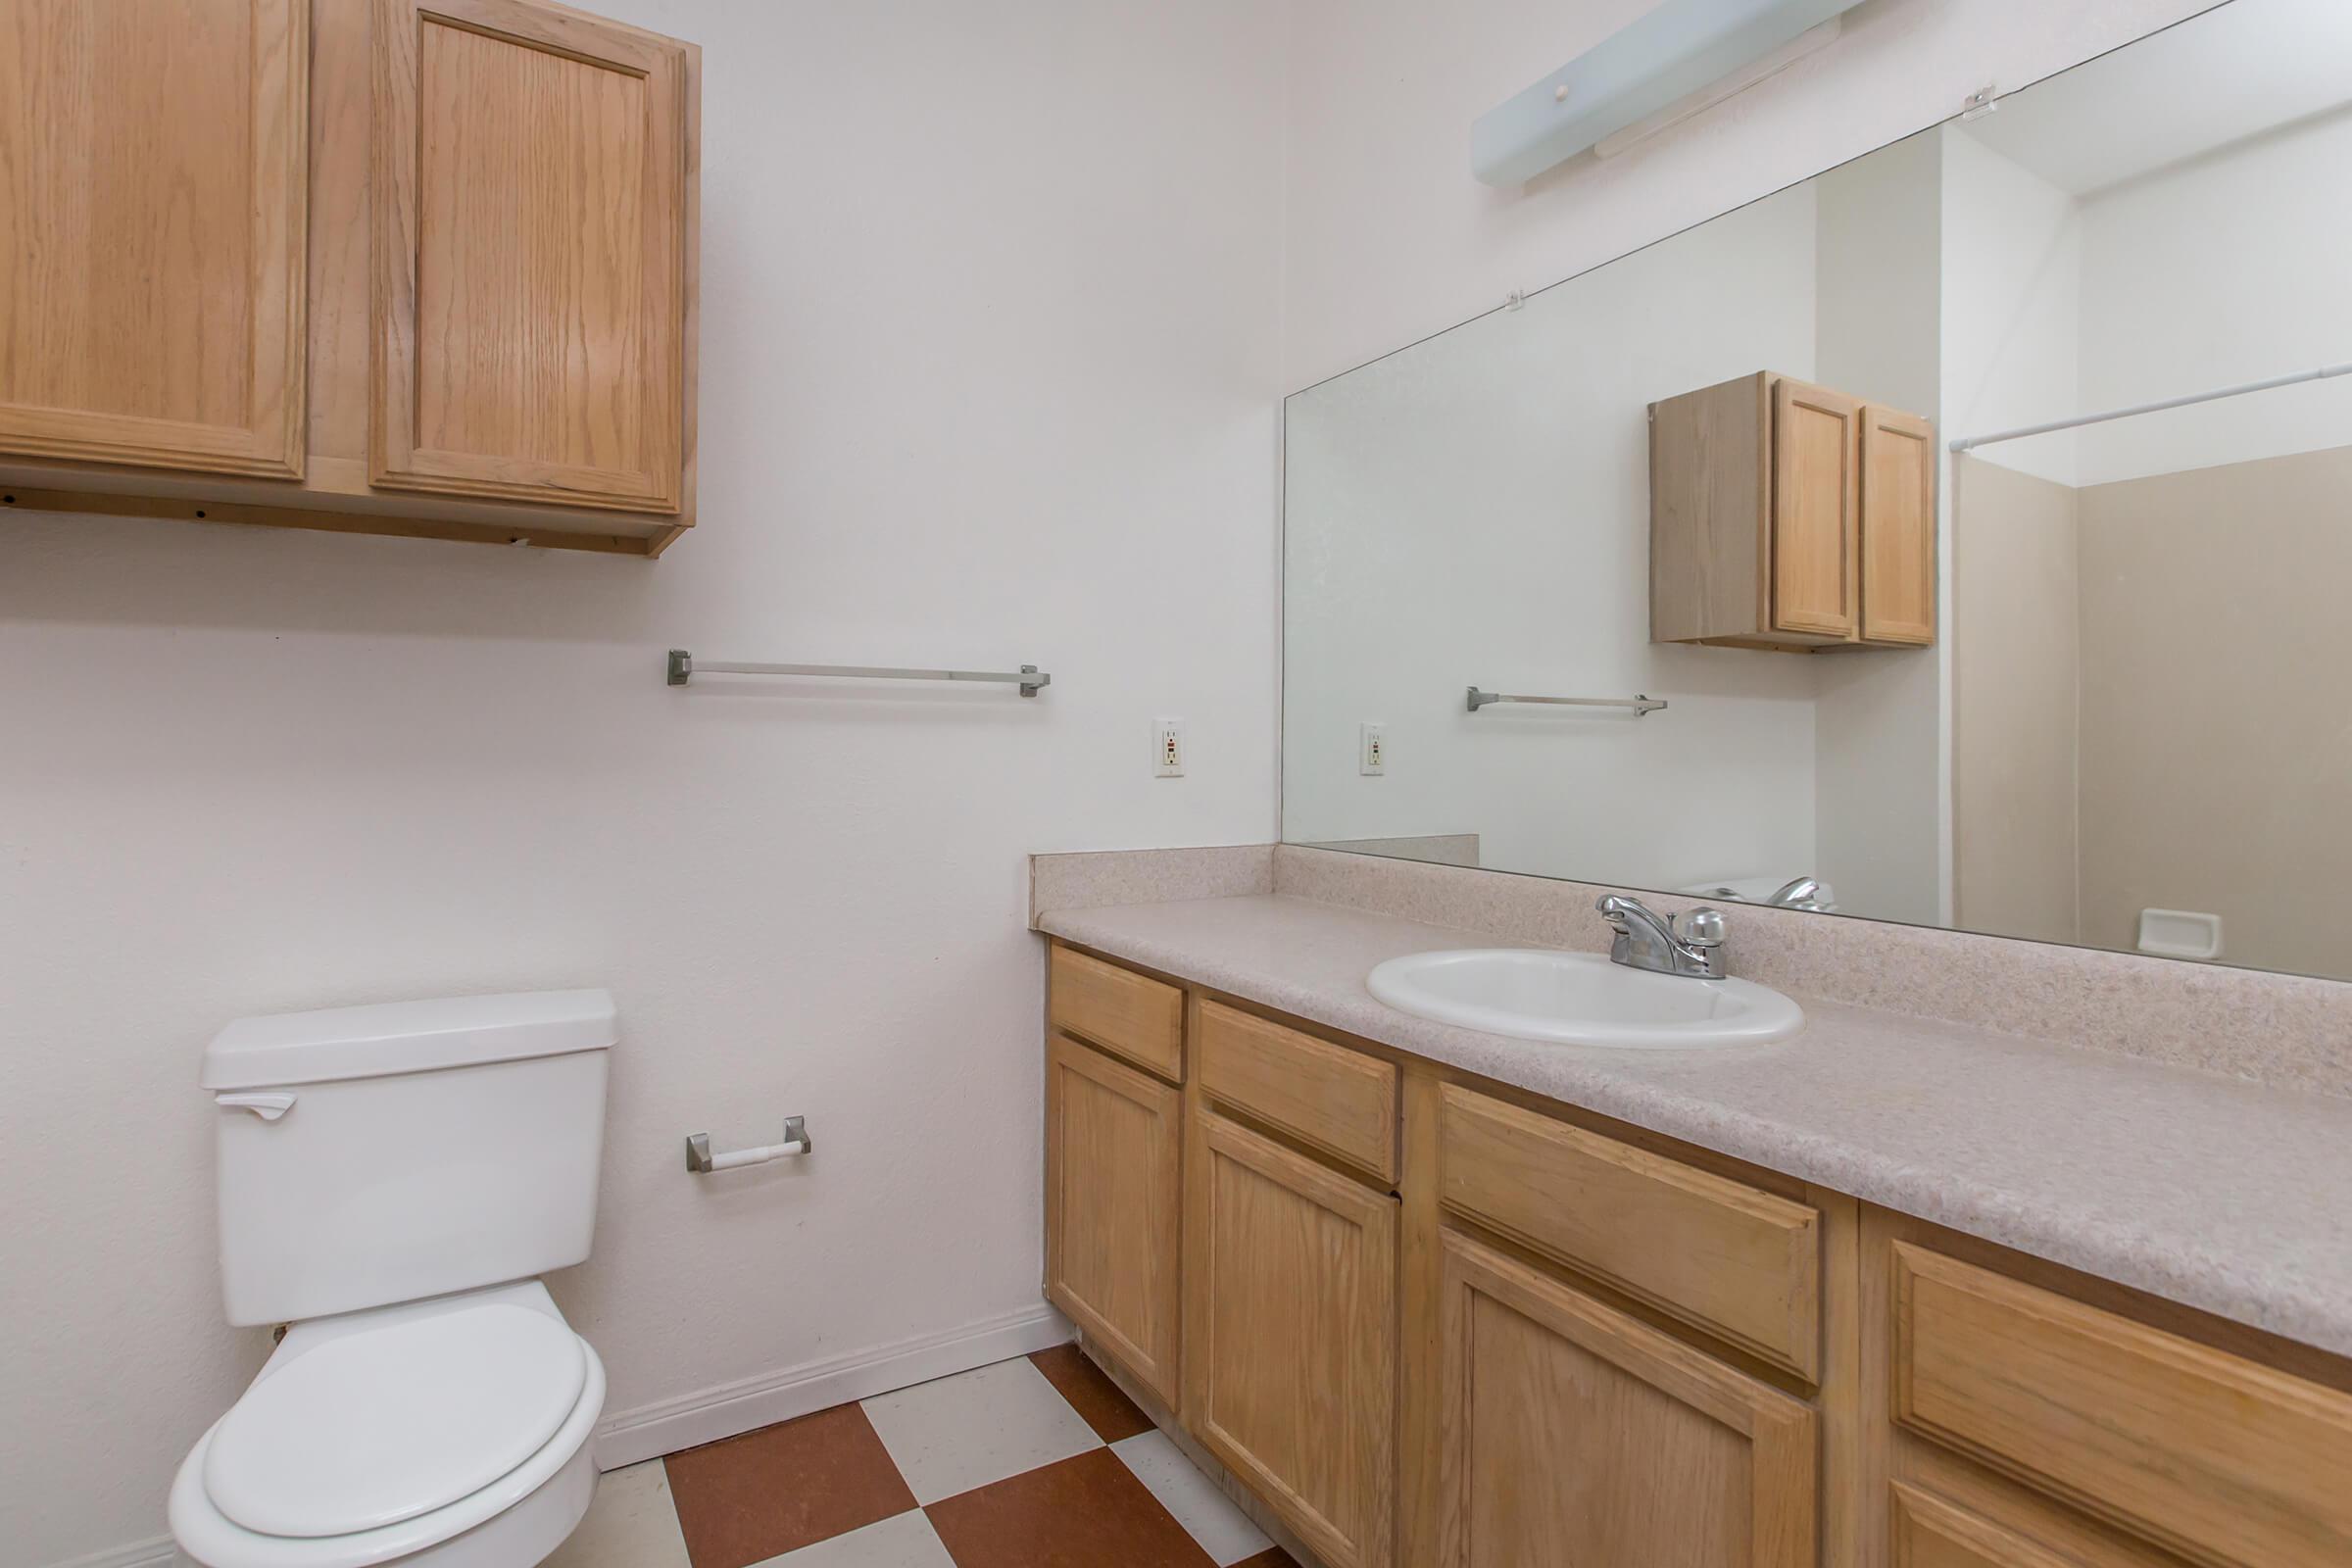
point(396, 1037)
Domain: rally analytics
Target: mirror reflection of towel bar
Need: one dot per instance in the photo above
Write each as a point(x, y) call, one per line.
point(1639, 704)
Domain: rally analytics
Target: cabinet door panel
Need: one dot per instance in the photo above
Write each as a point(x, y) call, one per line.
point(1291, 1337)
point(532, 185)
point(2219, 1459)
point(1898, 528)
point(1113, 1146)
point(1571, 1435)
point(1815, 509)
point(152, 199)
point(1928, 1530)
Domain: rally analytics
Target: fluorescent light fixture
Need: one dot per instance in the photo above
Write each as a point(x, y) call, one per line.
point(1682, 56)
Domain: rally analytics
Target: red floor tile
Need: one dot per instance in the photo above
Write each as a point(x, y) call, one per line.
point(1086, 1512)
point(1090, 1393)
point(749, 1498)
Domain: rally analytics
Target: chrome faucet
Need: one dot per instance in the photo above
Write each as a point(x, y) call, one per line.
point(1647, 939)
point(1805, 893)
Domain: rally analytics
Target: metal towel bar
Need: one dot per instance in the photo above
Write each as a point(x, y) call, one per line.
point(1639, 704)
point(684, 666)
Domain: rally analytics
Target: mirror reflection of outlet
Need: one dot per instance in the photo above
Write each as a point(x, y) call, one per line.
point(1167, 748)
point(1372, 749)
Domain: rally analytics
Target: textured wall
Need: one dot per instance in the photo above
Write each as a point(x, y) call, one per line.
point(989, 332)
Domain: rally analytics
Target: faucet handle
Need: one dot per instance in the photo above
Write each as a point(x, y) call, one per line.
point(1701, 927)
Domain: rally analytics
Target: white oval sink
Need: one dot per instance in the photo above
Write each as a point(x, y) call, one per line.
point(1581, 999)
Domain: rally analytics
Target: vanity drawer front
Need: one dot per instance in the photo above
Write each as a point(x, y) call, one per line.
point(1722, 1255)
point(2220, 1459)
point(1126, 1013)
point(1341, 1100)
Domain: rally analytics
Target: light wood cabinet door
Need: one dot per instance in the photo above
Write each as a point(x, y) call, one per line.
point(1571, 1434)
point(152, 157)
point(531, 259)
point(1928, 1529)
point(1291, 1337)
point(1113, 1158)
point(1898, 528)
point(1815, 509)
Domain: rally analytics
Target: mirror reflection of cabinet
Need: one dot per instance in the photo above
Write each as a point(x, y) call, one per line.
point(1787, 515)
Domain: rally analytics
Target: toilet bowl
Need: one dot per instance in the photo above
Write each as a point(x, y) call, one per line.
point(444, 1434)
point(392, 1180)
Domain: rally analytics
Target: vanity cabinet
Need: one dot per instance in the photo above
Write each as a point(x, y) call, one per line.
point(1114, 1147)
point(1114, 1139)
point(361, 265)
point(2034, 1416)
point(1290, 1325)
point(1572, 1433)
point(1425, 1318)
point(1789, 515)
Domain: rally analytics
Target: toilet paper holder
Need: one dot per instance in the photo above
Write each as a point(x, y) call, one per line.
point(701, 1162)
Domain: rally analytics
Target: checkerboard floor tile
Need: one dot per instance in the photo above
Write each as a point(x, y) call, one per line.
point(1039, 1462)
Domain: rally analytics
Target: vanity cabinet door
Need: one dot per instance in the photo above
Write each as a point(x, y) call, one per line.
point(152, 232)
point(1571, 1434)
point(1898, 528)
point(1113, 1145)
point(1291, 1337)
point(1816, 510)
point(532, 277)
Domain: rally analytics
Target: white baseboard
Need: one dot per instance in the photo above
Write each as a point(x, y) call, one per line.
point(159, 1552)
point(669, 1425)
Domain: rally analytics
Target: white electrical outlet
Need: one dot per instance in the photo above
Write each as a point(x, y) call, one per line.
point(1167, 748)
point(1372, 749)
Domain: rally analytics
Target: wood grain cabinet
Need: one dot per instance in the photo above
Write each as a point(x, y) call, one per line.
point(152, 232)
point(529, 174)
point(1290, 1323)
point(1793, 516)
point(1571, 1432)
point(1426, 1319)
point(2041, 1419)
point(1114, 1152)
point(362, 266)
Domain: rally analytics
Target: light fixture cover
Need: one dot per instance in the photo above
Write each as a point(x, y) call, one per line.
point(1679, 48)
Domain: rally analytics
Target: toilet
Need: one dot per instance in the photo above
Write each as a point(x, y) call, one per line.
point(391, 1181)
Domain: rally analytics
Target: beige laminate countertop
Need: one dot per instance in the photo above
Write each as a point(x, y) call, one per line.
point(2210, 1192)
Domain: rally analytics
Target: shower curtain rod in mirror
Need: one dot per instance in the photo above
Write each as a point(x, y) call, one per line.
point(1964, 443)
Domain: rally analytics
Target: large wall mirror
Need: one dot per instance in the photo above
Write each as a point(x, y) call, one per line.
point(2085, 684)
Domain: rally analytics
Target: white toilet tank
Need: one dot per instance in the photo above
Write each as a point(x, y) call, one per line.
point(368, 1155)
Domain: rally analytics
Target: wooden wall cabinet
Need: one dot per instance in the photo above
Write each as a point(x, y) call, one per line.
point(152, 232)
point(364, 266)
point(1787, 515)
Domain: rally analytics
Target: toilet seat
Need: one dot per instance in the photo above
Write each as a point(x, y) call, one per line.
point(418, 1414)
point(503, 1458)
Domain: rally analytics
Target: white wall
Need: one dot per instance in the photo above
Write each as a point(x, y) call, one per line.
point(1475, 510)
point(1389, 239)
point(1878, 722)
point(990, 316)
point(2224, 269)
point(2012, 307)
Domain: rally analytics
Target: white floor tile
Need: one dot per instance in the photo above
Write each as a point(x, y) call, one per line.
point(954, 1434)
point(631, 1524)
point(1207, 1515)
point(905, 1540)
